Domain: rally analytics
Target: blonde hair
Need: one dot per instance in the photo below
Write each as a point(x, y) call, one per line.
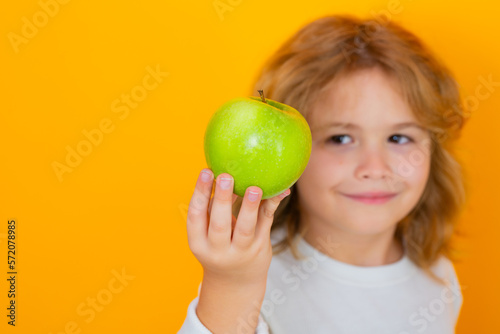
point(333, 46)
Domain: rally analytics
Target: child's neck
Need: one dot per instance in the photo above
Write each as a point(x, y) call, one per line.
point(359, 250)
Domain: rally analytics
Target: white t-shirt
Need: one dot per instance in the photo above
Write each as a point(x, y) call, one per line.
point(320, 295)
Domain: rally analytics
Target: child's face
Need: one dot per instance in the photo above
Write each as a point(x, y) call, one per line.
point(374, 157)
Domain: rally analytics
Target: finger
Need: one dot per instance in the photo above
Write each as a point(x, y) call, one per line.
point(219, 228)
point(266, 214)
point(244, 231)
point(197, 221)
point(210, 205)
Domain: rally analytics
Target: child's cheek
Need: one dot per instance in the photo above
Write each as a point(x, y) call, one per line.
point(413, 164)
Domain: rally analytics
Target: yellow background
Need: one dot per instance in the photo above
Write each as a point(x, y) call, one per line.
point(123, 206)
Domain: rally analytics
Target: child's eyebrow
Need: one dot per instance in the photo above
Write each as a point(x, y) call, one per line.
point(348, 126)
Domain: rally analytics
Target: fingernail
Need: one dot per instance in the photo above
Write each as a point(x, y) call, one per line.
point(252, 196)
point(205, 176)
point(225, 183)
point(285, 194)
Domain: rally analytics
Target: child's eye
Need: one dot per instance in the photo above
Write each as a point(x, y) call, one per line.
point(338, 139)
point(399, 136)
point(335, 139)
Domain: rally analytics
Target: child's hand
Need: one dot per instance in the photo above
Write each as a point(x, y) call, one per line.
point(238, 257)
point(235, 262)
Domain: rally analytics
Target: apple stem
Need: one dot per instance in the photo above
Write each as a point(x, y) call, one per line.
point(261, 92)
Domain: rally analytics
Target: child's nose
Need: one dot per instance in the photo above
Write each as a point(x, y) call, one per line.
point(374, 163)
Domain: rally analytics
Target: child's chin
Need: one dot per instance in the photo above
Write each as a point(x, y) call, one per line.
point(368, 226)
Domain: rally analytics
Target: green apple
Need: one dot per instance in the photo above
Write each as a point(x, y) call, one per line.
point(259, 142)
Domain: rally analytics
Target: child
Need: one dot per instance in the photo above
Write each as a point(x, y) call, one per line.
point(362, 244)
